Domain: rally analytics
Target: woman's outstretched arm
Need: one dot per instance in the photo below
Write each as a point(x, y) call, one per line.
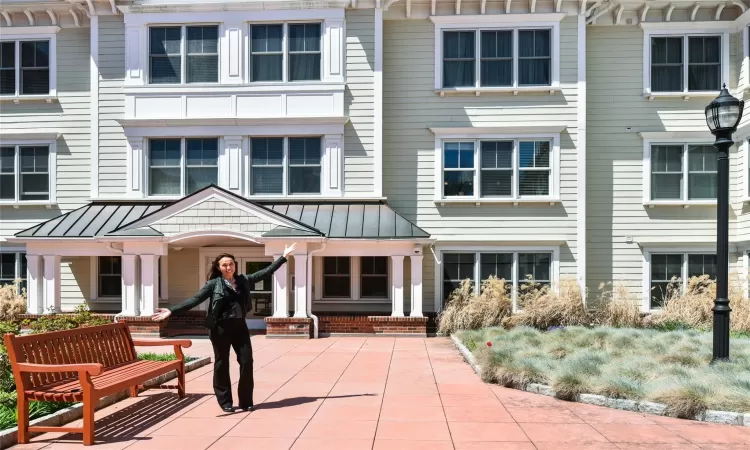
point(254, 277)
point(192, 302)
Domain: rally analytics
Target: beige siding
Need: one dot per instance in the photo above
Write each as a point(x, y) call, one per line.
point(70, 117)
point(411, 106)
point(112, 143)
point(358, 102)
point(75, 283)
point(184, 279)
point(204, 217)
point(615, 160)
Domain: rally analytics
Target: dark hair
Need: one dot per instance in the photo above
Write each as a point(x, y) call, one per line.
point(214, 271)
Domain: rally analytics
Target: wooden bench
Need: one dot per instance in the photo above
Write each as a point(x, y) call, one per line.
point(83, 365)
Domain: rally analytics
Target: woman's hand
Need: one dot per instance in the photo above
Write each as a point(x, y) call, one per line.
point(161, 314)
point(289, 249)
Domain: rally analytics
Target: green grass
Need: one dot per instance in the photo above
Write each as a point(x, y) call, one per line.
point(162, 357)
point(670, 367)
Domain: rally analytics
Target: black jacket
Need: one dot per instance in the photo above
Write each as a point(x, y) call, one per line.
point(215, 289)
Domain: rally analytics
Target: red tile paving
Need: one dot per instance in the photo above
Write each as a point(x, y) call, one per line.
point(379, 394)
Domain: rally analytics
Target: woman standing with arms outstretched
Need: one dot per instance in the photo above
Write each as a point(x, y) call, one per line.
point(225, 320)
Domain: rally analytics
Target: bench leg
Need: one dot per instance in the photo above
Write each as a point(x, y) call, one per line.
point(134, 391)
point(23, 419)
point(181, 382)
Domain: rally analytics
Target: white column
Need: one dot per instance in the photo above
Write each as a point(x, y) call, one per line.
point(149, 284)
point(416, 286)
point(279, 291)
point(397, 268)
point(300, 285)
point(34, 289)
point(51, 284)
point(164, 278)
point(130, 290)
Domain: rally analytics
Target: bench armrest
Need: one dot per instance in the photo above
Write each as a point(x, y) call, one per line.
point(185, 343)
point(90, 368)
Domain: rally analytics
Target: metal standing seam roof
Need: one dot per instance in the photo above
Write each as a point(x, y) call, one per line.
point(333, 220)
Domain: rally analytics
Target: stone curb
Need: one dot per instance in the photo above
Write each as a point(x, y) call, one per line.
point(719, 417)
point(9, 437)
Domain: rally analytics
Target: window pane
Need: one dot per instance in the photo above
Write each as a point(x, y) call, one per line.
point(534, 57)
point(165, 40)
point(458, 59)
point(203, 39)
point(534, 154)
point(266, 38)
point(666, 64)
point(304, 165)
point(34, 178)
point(496, 155)
point(456, 268)
point(304, 51)
point(7, 268)
point(202, 68)
point(702, 172)
point(34, 67)
point(458, 183)
point(110, 276)
point(374, 265)
point(663, 269)
point(304, 180)
point(7, 173)
point(304, 151)
point(34, 54)
point(7, 68)
point(165, 167)
point(704, 63)
point(200, 177)
point(374, 276)
point(164, 181)
point(537, 265)
point(496, 183)
point(266, 159)
point(202, 152)
point(304, 37)
point(699, 265)
point(266, 67)
point(266, 49)
point(498, 264)
point(666, 187)
point(267, 180)
point(497, 58)
point(304, 67)
point(458, 74)
point(458, 44)
point(166, 63)
point(666, 169)
point(164, 152)
point(336, 277)
point(666, 158)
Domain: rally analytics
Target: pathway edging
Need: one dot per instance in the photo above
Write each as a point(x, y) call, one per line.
point(659, 409)
point(9, 437)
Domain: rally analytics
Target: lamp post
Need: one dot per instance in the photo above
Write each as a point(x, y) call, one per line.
point(723, 115)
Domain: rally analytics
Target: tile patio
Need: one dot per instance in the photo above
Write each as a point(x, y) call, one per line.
point(378, 393)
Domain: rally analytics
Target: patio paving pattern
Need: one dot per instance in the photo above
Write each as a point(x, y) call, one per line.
point(378, 394)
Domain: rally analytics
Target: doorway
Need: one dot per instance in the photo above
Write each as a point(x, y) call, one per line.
point(261, 296)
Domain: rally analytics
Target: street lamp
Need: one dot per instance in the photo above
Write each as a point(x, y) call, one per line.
point(723, 115)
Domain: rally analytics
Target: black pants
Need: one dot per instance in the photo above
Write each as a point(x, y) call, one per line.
point(232, 333)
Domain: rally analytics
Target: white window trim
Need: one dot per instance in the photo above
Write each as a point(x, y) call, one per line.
point(184, 54)
point(477, 250)
point(744, 178)
point(34, 34)
point(554, 191)
point(646, 288)
point(285, 169)
point(183, 165)
point(513, 22)
point(356, 283)
point(647, 143)
point(52, 170)
point(284, 53)
point(17, 253)
point(720, 30)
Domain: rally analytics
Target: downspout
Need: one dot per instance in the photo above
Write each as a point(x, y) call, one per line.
point(309, 288)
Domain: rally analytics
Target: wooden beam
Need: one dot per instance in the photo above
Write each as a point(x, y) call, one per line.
point(507, 6)
point(558, 5)
point(583, 6)
point(76, 19)
point(719, 9)
point(114, 7)
point(618, 16)
point(696, 7)
point(533, 6)
point(458, 7)
point(52, 16)
point(408, 8)
point(644, 11)
point(6, 16)
point(92, 9)
point(30, 17)
point(670, 10)
point(593, 7)
point(740, 5)
point(433, 7)
point(483, 7)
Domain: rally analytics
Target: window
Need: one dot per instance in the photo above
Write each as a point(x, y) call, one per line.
point(666, 267)
point(683, 172)
point(496, 58)
point(171, 174)
point(25, 173)
point(200, 53)
point(110, 276)
point(337, 277)
point(25, 67)
point(296, 159)
point(301, 55)
point(508, 168)
point(374, 276)
point(696, 59)
point(458, 266)
point(12, 268)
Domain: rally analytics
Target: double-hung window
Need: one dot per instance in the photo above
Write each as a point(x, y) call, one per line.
point(12, 268)
point(494, 58)
point(682, 173)
point(669, 273)
point(179, 167)
point(110, 276)
point(686, 63)
point(26, 67)
point(283, 52)
point(515, 267)
point(498, 168)
point(374, 276)
point(280, 166)
point(337, 277)
point(184, 54)
point(25, 173)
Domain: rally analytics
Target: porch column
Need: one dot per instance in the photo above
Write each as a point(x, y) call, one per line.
point(300, 285)
point(51, 284)
point(130, 291)
point(34, 289)
point(280, 307)
point(416, 286)
point(149, 284)
point(397, 267)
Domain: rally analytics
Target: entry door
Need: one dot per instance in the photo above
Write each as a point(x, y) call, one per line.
point(261, 297)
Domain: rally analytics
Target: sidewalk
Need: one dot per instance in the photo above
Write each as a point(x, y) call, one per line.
point(378, 393)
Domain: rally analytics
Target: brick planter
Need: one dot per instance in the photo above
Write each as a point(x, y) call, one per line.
point(378, 325)
point(289, 327)
point(190, 322)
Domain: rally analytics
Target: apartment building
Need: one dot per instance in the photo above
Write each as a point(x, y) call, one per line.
point(405, 144)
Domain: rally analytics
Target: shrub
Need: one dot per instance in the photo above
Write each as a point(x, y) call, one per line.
point(12, 303)
point(81, 317)
point(617, 308)
point(544, 307)
point(466, 310)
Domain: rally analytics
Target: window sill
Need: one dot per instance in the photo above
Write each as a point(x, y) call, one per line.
point(684, 204)
point(17, 205)
point(350, 301)
point(499, 90)
point(497, 201)
point(683, 95)
point(28, 98)
point(204, 88)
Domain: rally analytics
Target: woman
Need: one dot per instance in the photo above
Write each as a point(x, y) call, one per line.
point(225, 320)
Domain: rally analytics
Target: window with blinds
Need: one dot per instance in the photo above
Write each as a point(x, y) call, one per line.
point(184, 54)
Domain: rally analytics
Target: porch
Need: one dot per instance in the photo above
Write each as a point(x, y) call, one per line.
point(357, 267)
